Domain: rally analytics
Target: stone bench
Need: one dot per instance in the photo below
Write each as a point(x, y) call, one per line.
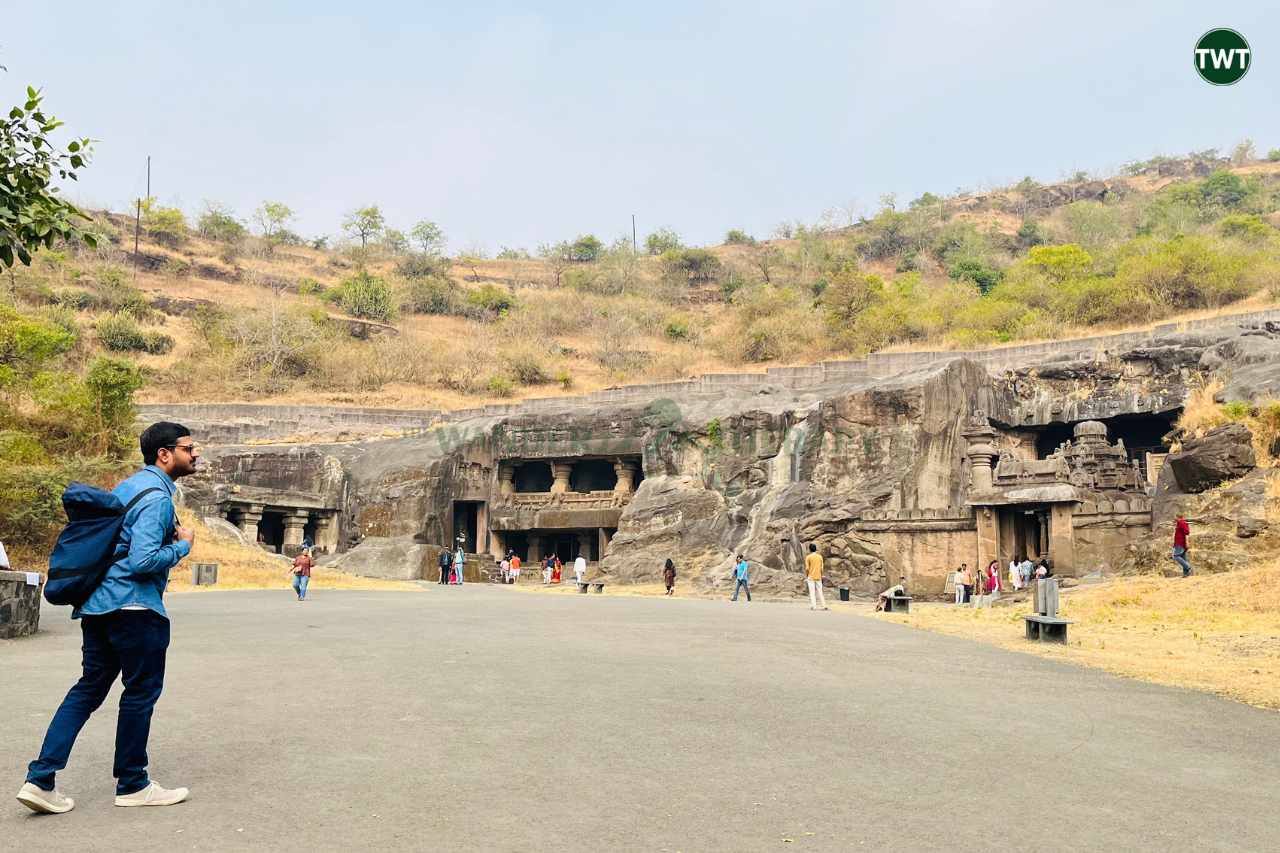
point(1046, 629)
point(597, 586)
point(897, 604)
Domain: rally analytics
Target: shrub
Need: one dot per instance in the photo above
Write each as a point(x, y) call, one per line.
point(164, 224)
point(677, 329)
point(492, 299)
point(364, 295)
point(27, 344)
point(695, 265)
point(564, 378)
point(310, 287)
point(1244, 226)
point(1273, 155)
point(499, 386)
point(736, 237)
point(119, 332)
point(420, 265)
point(526, 366)
point(976, 271)
point(431, 295)
point(1189, 272)
point(21, 448)
point(1237, 410)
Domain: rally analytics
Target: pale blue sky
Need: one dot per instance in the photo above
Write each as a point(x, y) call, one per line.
point(515, 123)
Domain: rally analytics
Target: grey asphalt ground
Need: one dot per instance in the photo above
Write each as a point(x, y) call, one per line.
point(485, 718)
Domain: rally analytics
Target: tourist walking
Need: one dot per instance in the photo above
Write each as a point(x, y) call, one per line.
point(515, 567)
point(546, 570)
point(1015, 575)
point(1026, 567)
point(958, 578)
point(504, 569)
point(4, 558)
point(580, 568)
point(302, 574)
point(813, 579)
point(1181, 530)
point(669, 575)
point(557, 568)
point(445, 562)
point(741, 578)
point(459, 561)
point(125, 631)
point(993, 576)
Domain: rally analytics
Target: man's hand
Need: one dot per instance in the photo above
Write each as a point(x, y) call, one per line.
point(186, 534)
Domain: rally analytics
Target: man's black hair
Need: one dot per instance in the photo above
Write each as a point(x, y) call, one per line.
point(812, 547)
point(158, 435)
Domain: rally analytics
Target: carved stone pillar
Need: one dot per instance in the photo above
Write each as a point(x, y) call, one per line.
point(294, 522)
point(249, 518)
point(584, 545)
point(561, 471)
point(626, 472)
point(535, 550)
point(506, 479)
point(982, 452)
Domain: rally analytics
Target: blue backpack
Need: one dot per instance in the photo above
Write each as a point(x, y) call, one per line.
point(87, 545)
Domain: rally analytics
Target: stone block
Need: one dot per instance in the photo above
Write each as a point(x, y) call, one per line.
point(19, 605)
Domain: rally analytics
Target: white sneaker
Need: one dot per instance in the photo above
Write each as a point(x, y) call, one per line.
point(46, 802)
point(153, 795)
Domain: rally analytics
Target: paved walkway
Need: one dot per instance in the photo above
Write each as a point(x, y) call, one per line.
point(485, 718)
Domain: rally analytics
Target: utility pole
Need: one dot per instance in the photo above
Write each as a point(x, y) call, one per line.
point(635, 249)
point(137, 219)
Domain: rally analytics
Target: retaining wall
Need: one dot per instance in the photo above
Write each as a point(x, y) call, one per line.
point(230, 423)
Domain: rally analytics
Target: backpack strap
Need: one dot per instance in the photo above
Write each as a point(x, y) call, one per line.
point(139, 496)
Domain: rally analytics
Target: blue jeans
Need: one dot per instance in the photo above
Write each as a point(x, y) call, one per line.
point(300, 585)
point(1180, 557)
point(127, 643)
point(741, 583)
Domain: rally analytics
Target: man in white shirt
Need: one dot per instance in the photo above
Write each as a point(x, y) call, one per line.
point(4, 558)
point(1015, 574)
point(580, 568)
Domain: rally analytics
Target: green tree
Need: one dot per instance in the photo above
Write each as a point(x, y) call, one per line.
point(695, 265)
point(395, 242)
point(166, 225)
point(585, 249)
point(32, 214)
point(429, 237)
point(1060, 262)
point(365, 222)
point(738, 237)
point(662, 240)
point(219, 223)
point(558, 256)
point(848, 293)
point(272, 218)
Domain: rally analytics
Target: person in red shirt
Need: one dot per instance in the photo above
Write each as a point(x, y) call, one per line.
point(1180, 532)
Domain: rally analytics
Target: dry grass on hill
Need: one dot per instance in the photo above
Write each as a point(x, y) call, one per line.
point(1218, 633)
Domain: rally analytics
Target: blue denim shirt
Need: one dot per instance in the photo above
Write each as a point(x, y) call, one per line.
point(741, 570)
point(143, 556)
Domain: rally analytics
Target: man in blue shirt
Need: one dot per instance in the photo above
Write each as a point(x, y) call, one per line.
point(740, 571)
point(126, 632)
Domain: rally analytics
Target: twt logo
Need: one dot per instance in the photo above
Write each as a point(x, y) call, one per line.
point(1222, 57)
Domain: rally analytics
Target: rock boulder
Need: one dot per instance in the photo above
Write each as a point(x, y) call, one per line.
point(1224, 453)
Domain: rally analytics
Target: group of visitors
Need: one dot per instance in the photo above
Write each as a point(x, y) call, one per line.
point(509, 568)
point(551, 569)
point(451, 566)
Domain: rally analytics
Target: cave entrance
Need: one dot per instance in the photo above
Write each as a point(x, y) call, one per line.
point(1143, 435)
point(1024, 532)
point(469, 527)
point(271, 531)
